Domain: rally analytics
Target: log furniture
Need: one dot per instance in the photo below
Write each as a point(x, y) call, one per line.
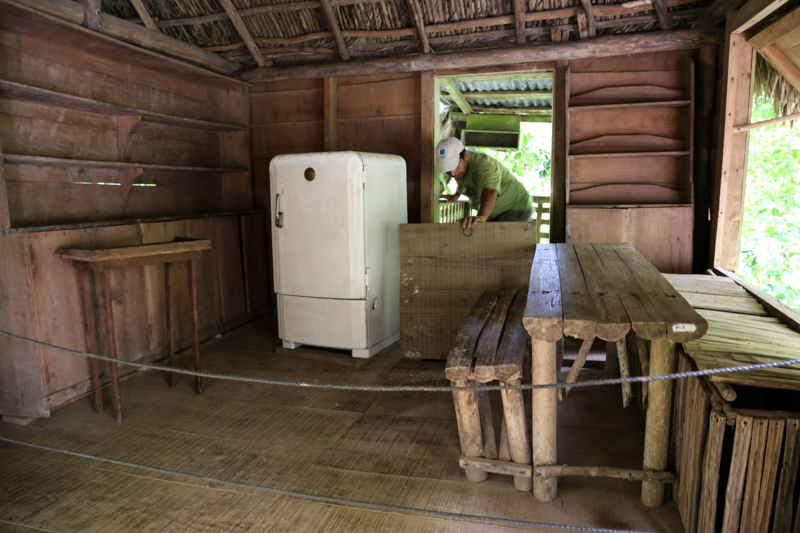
point(603, 290)
point(107, 259)
point(491, 346)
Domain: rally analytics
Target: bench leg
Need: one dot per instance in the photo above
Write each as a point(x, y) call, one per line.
point(659, 410)
point(487, 425)
point(469, 427)
point(517, 430)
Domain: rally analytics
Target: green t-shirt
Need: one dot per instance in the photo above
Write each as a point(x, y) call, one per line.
point(485, 172)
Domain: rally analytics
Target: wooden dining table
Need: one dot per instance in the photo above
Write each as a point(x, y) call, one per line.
point(603, 291)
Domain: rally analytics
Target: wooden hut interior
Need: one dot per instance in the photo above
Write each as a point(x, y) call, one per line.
point(149, 377)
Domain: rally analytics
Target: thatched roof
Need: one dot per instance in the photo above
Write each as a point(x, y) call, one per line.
point(320, 31)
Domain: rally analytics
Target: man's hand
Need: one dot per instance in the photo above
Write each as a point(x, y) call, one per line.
point(468, 222)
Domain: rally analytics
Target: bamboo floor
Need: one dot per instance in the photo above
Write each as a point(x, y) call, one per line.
point(391, 448)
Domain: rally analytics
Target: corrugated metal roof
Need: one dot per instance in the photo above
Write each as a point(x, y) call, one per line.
point(512, 86)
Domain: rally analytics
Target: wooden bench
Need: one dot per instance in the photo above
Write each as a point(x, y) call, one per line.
point(492, 345)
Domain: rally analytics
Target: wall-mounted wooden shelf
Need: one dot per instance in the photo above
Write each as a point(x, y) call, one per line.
point(42, 161)
point(46, 96)
point(631, 154)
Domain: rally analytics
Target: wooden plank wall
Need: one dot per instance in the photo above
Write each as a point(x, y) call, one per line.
point(378, 113)
point(38, 291)
point(443, 271)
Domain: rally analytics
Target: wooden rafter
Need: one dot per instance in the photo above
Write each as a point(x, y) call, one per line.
point(753, 13)
point(589, 10)
point(716, 12)
point(148, 21)
point(244, 33)
point(452, 89)
point(519, 20)
point(333, 24)
point(663, 14)
point(544, 111)
point(419, 23)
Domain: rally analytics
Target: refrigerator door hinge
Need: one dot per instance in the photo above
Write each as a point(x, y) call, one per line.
point(364, 176)
point(366, 278)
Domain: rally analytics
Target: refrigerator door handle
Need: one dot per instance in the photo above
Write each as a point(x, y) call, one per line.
point(279, 216)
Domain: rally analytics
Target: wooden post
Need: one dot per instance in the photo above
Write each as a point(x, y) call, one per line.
point(559, 172)
point(168, 313)
point(469, 427)
point(108, 306)
point(330, 113)
point(516, 432)
point(191, 266)
point(89, 334)
point(543, 419)
point(659, 407)
point(429, 136)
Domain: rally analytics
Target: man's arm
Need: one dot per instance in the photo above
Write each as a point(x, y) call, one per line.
point(488, 198)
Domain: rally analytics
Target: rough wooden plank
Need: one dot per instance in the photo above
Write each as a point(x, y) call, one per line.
point(513, 349)
point(736, 477)
point(754, 468)
point(486, 349)
point(612, 320)
point(772, 453)
point(790, 462)
point(712, 456)
point(543, 314)
point(577, 304)
point(459, 361)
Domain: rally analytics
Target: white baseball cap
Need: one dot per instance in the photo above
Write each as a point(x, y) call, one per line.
point(447, 153)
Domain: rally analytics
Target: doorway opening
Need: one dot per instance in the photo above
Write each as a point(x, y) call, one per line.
point(508, 116)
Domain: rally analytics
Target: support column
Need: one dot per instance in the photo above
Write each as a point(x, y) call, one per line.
point(543, 418)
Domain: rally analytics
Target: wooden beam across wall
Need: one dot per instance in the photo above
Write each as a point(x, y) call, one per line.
point(605, 46)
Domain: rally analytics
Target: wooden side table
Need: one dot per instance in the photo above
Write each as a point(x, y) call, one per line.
point(107, 259)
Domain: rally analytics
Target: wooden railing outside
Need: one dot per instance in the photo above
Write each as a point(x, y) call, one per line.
point(453, 211)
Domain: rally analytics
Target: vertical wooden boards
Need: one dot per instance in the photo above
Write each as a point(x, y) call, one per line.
point(258, 284)
point(712, 457)
point(726, 217)
point(443, 272)
point(331, 99)
point(227, 249)
point(662, 234)
point(736, 476)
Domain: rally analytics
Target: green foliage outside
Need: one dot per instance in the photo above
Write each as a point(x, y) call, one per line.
point(770, 242)
point(531, 163)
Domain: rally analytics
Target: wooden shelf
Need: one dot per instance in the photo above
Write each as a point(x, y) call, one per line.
point(42, 161)
point(126, 222)
point(681, 153)
point(610, 107)
point(46, 96)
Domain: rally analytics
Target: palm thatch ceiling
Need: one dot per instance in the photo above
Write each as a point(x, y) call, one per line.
point(265, 33)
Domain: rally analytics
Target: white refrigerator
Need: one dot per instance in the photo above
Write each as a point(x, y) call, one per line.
point(336, 261)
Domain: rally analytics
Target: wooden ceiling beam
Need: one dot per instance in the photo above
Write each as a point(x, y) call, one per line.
point(144, 14)
point(663, 14)
point(508, 95)
point(519, 21)
point(452, 89)
point(419, 23)
point(333, 24)
point(715, 14)
point(589, 10)
point(91, 14)
point(607, 45)
point(583, 24)
point(753, 13)
point(243, 32)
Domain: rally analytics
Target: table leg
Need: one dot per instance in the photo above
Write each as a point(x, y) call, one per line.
point(198, 381)
point(659, 410)
point(543, 361)
point(168, 313)
point(89, 335)
point(112, 344)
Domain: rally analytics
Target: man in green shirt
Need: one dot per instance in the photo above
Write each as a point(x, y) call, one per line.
point(492, 189)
